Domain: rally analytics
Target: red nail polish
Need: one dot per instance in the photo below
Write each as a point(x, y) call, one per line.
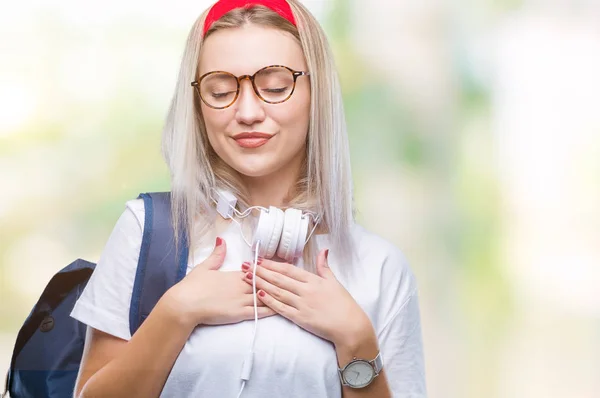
point(259, 261)
point(246, 266)
point(261, 293)
point(219, 241)
point(249, 275)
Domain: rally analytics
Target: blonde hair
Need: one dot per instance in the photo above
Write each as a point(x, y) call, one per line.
point(325, 186)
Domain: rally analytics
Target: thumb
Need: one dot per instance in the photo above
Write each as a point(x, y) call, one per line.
point(322, 266)
point(217, 257)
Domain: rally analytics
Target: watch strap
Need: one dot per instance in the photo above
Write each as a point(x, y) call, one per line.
point(377, 363)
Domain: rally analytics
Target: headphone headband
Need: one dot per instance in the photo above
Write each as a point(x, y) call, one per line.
point(222, 7)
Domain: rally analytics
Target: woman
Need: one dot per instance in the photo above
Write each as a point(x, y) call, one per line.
point(276, 138)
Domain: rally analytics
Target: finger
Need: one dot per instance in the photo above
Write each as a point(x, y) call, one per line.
point(323, 269)
point(217, 257)
point(280, 280)
point(263, 312)
point(278, 293)
point(286, 269)
point(249, 301)
point(279, 307)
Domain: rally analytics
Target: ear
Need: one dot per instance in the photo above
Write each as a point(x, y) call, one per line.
point(322, 266)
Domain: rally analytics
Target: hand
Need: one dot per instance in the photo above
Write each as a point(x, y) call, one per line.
point(211, 297)
point(317, 303)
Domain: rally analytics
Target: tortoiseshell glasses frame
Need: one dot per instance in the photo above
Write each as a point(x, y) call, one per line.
point(293, 73)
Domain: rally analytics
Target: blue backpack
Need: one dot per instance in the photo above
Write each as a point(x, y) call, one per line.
point(49, 345)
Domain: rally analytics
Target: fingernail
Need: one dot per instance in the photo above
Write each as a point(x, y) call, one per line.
point(260, 260)
point(219, 241)
point(249, 275)
point(326, 253)
point(261, 293)
point(246, 266)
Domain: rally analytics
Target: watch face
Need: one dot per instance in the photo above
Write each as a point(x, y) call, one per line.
point(359, 374)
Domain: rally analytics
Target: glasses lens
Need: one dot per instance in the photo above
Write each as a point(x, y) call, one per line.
point(274, 84)
point(218, 89)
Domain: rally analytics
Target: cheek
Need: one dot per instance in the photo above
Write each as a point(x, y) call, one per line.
point(213, 117)
point(294, 117)
point(216, 122)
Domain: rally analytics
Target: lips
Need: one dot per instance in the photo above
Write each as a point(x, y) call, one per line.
point(252, 140)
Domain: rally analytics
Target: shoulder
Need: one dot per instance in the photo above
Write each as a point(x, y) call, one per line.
point(134, 212)
point(381, 265)
point(126, 237)
point(376, 253)
point(368, 241)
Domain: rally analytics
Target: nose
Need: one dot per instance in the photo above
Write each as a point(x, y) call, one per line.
point(249, 107)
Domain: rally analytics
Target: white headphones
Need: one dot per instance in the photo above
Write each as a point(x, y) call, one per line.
point(279, 232)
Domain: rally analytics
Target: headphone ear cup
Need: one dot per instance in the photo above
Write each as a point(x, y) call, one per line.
point(289, 236)
point(267, 230)
point(271, 245)
point(302, 232)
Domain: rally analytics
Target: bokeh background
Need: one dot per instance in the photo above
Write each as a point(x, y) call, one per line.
point(475, 137)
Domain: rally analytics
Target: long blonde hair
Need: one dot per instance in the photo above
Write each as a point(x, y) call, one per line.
point(325, 185)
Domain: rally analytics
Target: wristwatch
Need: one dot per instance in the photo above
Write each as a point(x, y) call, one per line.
point(359, 373)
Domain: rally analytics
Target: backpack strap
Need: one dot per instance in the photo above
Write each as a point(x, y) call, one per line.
point(160, 265)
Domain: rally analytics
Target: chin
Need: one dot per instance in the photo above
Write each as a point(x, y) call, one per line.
point(254, 171)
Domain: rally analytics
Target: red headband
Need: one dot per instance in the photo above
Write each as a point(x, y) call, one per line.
point(222, 7)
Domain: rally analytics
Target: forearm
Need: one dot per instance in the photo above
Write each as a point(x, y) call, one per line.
point(141, 370)
point(362, 345)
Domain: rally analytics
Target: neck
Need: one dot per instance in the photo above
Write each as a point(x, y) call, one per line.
point(274, 189)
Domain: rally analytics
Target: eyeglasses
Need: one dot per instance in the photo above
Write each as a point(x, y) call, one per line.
point(273, 84)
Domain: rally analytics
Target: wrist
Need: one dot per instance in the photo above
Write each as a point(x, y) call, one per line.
point(174, 305)
point(354, 332)
point(359, 341)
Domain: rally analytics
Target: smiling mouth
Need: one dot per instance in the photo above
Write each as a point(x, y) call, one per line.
point(252, 140)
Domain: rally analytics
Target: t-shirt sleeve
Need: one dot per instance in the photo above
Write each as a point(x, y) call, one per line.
point(400, 338)
point(105, 301)
point(402, 349)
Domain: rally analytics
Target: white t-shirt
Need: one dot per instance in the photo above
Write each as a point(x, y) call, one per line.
point(289, 361)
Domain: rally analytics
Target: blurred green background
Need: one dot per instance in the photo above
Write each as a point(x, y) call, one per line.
point(475, 138)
